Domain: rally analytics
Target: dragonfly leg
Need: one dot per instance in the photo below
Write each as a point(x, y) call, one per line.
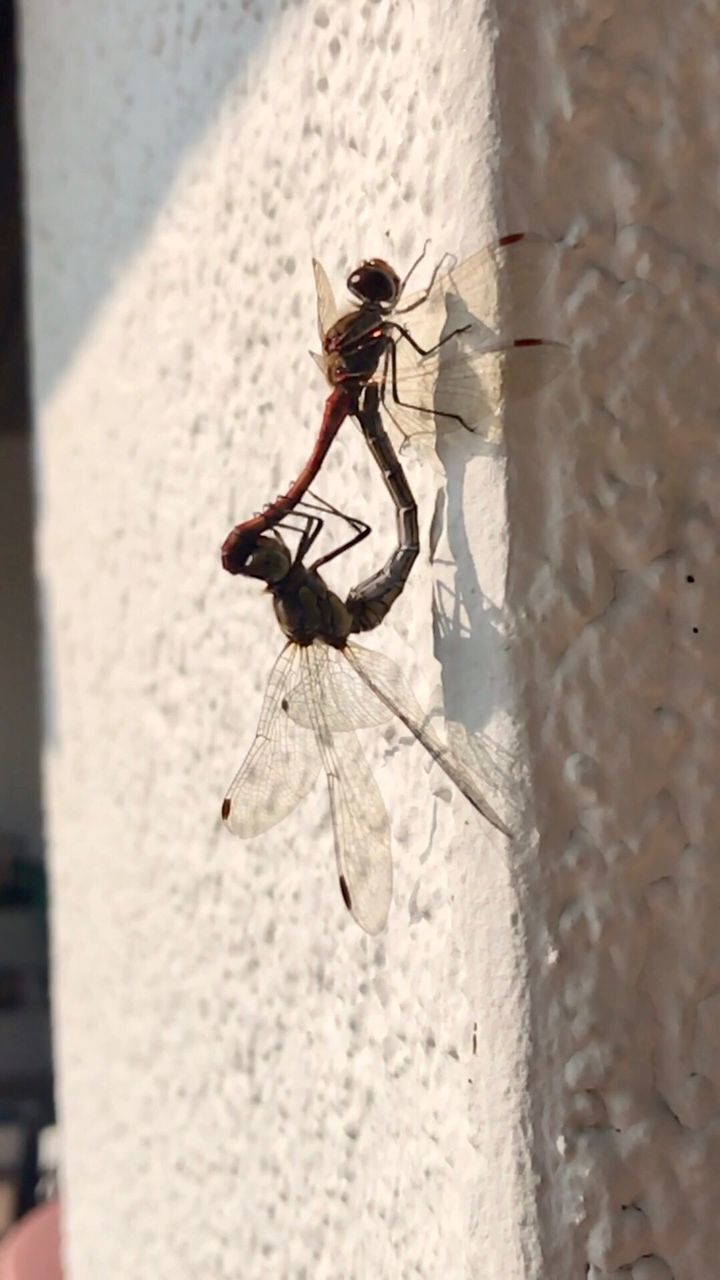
point(417, 408)
point(309, 532)
point(308, 535)
point(408, 273)
point(322, 504)
point(361, 532)
point(362, 529)
point(403, 311)
point(387, 373)
point(455, 333)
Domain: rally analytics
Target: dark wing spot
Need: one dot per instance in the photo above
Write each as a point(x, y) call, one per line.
point(345, 893)
point(226, 808)
point(284, 704)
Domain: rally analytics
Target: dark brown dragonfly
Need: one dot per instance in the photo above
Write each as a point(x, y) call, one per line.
point(454, 362)
point(321, 689)
point(455, 365)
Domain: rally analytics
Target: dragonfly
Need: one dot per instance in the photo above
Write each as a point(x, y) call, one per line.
point(430, 373)
point(377, 593)
point(322, 688)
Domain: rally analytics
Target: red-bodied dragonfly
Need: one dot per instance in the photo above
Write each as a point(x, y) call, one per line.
point(455, 366)
point(321, 689)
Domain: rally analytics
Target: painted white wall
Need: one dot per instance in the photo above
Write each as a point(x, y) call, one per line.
point(248, 1085)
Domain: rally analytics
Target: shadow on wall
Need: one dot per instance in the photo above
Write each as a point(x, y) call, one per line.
point(466, 625)
point(20, 810)
point(466, 622)
point(26, 1085)
point(148, 82)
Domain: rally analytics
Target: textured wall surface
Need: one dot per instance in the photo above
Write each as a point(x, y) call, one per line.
point(519, 1079)
point(613, 511)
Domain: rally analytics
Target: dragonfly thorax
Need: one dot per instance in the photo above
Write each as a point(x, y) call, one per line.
point(355, 345)
point(308, 610)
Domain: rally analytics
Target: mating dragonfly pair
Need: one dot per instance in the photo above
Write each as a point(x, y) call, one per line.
point(455, 367)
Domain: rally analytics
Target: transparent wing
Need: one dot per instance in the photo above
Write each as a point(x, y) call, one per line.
point(467, 382)
point(503, 286)
point(282, 763)
point(385, 678)
point(362, 831)
point(348, 702)
point(320, 362)
point(462, 386)
point(360, 822)
point(327, 310)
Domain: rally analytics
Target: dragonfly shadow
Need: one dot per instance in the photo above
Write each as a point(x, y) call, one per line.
point(490, 358)
point(457, 648)
point(468, 382)
point(466, 624)
point(459, 315)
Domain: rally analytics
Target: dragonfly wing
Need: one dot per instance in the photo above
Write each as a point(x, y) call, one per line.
point(319, 361)
point(362, 832)
point(360, 822)
point(468, 387)
point(348, 702)
point(327, 310)
point(385, 678)
point(504, 285)
point(282, 763)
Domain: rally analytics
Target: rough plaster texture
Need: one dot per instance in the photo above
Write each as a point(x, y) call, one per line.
point(249, 1087)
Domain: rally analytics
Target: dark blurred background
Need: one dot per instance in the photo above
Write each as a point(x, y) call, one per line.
point(26, 1084)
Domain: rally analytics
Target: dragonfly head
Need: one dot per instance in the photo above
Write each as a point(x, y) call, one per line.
point(376, 282)
point(269, 559)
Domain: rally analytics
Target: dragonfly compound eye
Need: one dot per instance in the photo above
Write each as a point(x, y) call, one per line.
point(375, 281)
point(269, 560)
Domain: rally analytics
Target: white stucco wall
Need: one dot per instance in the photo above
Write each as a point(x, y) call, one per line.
point(248, 1086)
